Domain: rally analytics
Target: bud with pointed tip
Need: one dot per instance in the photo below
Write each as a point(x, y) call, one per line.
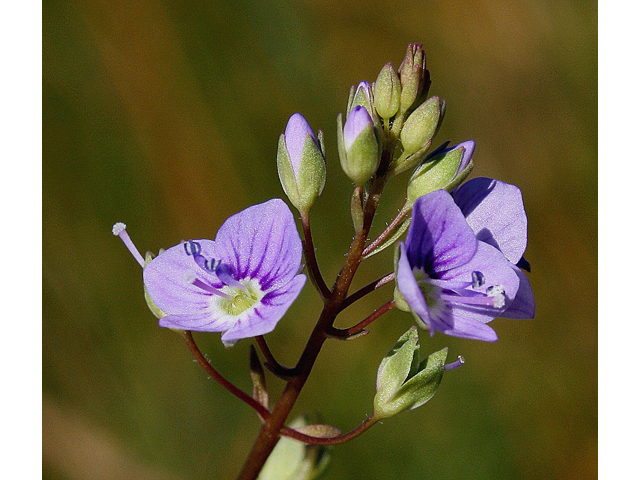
point(417, 133)
point(301, 164)
point(386, 92)
point(445, 169)
point(358, 145)
point(414, 77)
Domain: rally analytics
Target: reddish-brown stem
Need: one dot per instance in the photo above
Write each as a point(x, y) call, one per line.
point(345, 437)
point(213, 373)
point(270, 431)
point(310, 255)
point(272, 364)
point(367, 289)
point(356, 329)
point(395, 223)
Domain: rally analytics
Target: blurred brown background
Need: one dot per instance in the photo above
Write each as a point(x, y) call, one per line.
point(166, 114)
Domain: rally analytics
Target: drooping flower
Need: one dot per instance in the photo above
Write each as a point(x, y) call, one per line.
point(495, 212)
point(447, 278)
point(240, 284)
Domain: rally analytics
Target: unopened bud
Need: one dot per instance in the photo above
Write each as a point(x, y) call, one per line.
point(358, 145)
point(417, 133)
point(414, 77)
point(386, 92)
point(301, 164)
point(445, 170)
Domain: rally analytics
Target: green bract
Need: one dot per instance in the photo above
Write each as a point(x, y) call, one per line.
point(404, 382)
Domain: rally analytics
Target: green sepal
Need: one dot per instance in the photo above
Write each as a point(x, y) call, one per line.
point(403, 382)
point(152, 306)
point(421, 388)
point(398, 365)
point(401, 303)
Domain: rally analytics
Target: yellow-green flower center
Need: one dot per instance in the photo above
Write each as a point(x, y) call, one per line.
point(240, 299)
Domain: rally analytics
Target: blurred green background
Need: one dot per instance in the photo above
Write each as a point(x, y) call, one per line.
point(166, 114)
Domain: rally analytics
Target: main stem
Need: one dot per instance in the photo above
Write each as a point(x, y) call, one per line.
point(269, 433)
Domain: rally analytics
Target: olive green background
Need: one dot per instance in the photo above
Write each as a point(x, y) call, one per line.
point(166, 116)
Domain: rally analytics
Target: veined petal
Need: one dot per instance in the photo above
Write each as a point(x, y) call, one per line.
point(495, 212)
point(267, 313)
point(497, 272)
point(439, 238)
point(261, 242)
point(198, 322)
point(164, 278)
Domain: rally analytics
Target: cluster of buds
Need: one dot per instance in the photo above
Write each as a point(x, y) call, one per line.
point(393, 116)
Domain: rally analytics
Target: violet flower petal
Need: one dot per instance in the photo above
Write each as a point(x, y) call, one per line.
point(268, 247)
point(410, 289)
point(495, 212)
point(439, 238)
point(295, 136)
point(496, 270)
point(164, 279)
point(198, 322)
point(241, 284)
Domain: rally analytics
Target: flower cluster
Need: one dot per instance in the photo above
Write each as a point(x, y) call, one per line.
point(459, 267)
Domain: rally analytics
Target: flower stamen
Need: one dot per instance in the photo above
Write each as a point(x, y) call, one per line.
point(190, 277)
point(458, 363)
point(120, 229)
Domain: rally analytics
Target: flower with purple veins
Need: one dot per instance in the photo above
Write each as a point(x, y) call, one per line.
point(451, 281)
point(495, 212)
point(240, 284)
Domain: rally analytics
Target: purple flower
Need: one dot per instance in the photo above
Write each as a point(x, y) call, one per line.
point(241, 284)
point(451, 281)
point(495, 212)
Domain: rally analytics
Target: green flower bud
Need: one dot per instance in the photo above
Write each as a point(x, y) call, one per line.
point(404, 382)
point(301, 164)
point(417, 133)
point(421, 125)
point(386, 92)
point(414, 77)
point(293, 460)
point(358, 145)
point(444, 169)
